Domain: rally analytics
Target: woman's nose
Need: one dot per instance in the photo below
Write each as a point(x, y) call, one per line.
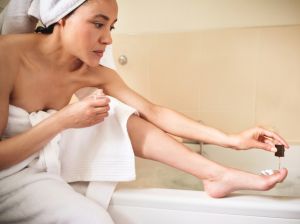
point(106, 38)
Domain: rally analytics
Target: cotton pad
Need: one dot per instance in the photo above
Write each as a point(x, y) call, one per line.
point(267, 172)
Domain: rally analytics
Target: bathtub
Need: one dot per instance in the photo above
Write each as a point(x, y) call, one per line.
point(162, 194)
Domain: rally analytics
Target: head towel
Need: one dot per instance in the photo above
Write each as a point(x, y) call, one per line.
point(51, 11)
point(21, 16)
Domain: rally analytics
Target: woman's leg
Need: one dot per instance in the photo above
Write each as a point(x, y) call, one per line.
point(152, 143)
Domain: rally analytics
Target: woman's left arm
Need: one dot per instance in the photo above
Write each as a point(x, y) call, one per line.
point(177, 124)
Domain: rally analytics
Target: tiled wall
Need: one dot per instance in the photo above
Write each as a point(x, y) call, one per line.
point(231, 79)
point(157, 16)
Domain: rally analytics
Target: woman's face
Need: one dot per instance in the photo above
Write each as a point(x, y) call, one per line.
point(87, 32)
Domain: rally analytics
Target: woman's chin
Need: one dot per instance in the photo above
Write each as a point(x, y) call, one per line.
point(93, 62)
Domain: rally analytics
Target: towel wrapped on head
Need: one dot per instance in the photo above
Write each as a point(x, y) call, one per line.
point(21, 16)
point(51, 11)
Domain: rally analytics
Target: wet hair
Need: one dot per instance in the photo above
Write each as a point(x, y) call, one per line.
point(49, 29)
point(45, 30)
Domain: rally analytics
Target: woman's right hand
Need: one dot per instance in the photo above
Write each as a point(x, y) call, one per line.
point(86, 112)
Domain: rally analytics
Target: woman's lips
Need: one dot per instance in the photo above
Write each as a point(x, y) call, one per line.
point(99, 53)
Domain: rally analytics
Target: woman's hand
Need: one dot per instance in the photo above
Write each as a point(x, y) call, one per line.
point(258, 138)
point(86, 112)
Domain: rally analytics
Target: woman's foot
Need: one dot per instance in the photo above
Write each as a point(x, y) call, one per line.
point(232, 180)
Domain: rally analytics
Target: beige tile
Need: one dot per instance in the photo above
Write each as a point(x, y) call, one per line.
point(228, 64)
point(278, 86)
point(174, 75)
point(231, 79)
point(204, 71)
point(136, 72)
point(228, 121)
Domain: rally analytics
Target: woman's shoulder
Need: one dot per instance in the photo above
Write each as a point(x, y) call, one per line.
point(11, 47)
point(101, 75)
point(12, 41)
point(10, 50)
point(4, 41)
point(102, 70)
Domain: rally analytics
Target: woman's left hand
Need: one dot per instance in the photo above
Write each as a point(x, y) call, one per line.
point(259, 138)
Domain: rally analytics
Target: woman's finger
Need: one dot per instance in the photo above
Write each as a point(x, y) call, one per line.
point(276, 138)
point(269, 141)
point(101, 110)
point(264, 146)
point(100, 101)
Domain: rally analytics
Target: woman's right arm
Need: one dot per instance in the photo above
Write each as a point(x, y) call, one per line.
point(21, 146)
point(84, 113)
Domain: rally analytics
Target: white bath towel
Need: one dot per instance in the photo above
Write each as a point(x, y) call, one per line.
point(33, 197)
point(101, 152)
point(104, 152)
point(15, 18)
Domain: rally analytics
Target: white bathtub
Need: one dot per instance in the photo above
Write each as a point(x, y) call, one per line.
point(150, 198)
point(162, 206)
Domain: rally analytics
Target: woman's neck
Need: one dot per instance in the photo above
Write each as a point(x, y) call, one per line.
point(52, 51)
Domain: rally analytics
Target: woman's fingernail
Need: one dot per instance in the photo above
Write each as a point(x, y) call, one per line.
point(273, 149)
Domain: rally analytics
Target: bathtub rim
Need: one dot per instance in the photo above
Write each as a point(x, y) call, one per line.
point(199, 201)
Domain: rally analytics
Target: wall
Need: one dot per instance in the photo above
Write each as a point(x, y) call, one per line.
point(232, 63)
point(144, 16)
point(229, 78)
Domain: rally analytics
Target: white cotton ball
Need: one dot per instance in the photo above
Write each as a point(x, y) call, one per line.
point(267, 172)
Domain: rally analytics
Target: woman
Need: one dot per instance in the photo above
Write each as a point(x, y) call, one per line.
point(67, 60)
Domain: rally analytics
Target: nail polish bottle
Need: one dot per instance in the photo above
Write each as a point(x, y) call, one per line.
point(279, 153)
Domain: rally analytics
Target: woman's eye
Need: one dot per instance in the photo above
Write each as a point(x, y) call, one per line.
point(112, 28)
point(98, 25)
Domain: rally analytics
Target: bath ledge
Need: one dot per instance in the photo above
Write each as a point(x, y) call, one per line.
point(199, 201)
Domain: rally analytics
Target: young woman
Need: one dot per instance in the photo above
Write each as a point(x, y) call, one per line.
point(43, 71)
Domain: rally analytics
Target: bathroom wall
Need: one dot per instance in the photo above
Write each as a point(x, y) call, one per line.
point(158, 16)
point(229, 76)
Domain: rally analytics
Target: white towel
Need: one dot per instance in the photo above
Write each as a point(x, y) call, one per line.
point(115, 160)
point(102, 152)
point(48, 159)
point(48, 12)
point(51, 11)
point(15, 18)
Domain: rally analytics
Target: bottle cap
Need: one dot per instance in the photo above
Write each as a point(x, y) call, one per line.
point(280, 150)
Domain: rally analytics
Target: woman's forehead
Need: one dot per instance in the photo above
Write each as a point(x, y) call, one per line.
point(108, 8)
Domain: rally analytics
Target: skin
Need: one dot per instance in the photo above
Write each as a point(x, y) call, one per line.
point(66, 61)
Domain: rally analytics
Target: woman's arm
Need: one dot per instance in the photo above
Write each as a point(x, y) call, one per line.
point(177, 124)
point(80, 114)
point(20, 147)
